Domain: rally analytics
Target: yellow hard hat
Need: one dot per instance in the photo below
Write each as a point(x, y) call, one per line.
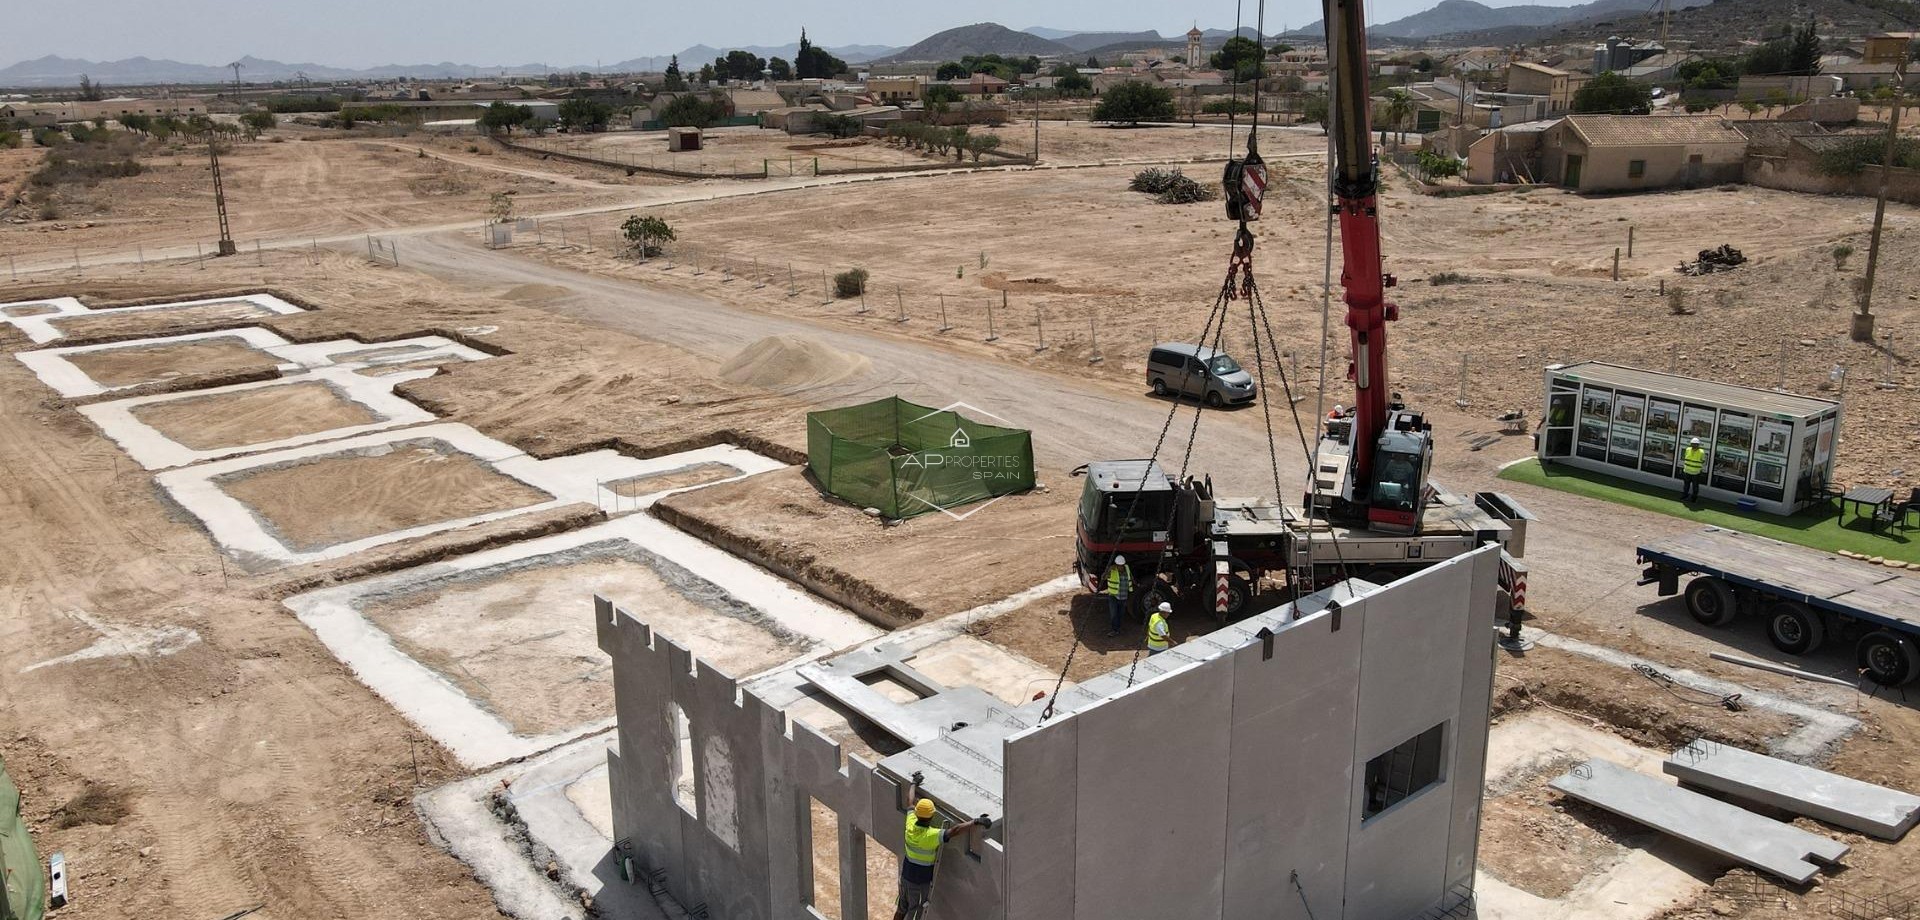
point(923, 808)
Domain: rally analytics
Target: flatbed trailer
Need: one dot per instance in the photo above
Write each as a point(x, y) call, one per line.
point(1804, 596)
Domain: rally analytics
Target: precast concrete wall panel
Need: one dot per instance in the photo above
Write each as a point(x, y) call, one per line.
point(1476, 698)
point(1042, 789)
point(1292, 764)
point(1152, 805)
point(642, 691)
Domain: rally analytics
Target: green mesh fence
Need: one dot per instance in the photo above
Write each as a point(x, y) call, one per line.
point(907, 459)
point(26, 886)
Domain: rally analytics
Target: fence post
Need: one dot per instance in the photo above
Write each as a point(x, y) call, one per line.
point(793, 287)
point(12, 269)
point(1673, 358)
point(863, 299)
point(1093, 335)
point(139, 252)
point(200, 255)
point(726, 269)
point(759, 280)
point(990, 333)
point(1781, 382)
point(900, 302)
point(394, 247)
point(1629, 241)
point(1040, 326)
point(1616, 263)
point(826, 287)
point(258, 258)
point(943, 313)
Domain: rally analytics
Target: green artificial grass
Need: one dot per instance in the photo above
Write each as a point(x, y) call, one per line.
point(1819, 527)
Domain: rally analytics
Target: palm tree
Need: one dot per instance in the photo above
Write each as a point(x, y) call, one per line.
point(1399, 106)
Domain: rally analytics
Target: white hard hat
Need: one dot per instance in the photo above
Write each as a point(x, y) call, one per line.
point(1695, 442)
point(1119, 560)
point(1166, 607)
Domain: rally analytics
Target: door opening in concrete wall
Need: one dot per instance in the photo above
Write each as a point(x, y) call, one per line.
point(1399, 774)
point(883, 880)
point(683, 784)
point(823, 850)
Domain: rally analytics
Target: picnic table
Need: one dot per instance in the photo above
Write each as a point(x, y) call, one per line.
point(1873, 498)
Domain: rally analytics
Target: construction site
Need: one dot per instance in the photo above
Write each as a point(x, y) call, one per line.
point(404, 525)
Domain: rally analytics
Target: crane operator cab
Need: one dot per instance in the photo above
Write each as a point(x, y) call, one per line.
point(1396, 499)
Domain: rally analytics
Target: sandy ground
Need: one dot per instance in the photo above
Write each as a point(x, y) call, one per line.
point(331, 499)
point(138, 364)
point(254, 416)
point(139, 322)
point(697, 475)
point(515, 640)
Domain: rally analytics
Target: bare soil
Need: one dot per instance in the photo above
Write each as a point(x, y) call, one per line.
point(339, 498)
point(255, 416)
point(515, 641)
point(135, 365)
point(133, 324)
point(697, 475)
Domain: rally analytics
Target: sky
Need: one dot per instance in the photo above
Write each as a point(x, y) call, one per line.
point(364, 33)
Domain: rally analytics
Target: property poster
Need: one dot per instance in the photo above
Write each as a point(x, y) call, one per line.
point(1824, 450)
point(1596, 412)
point(1732, 451)
point(1696, 422)
point(1629, 417)
point(1770, 452)
point(1663, 426)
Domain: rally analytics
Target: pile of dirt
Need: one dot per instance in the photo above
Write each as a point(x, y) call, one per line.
point(792, 362)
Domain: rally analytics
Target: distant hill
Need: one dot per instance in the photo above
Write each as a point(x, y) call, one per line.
point(1721, 24)
point(1087, 41)
point(979, 38)
point(1453, 18)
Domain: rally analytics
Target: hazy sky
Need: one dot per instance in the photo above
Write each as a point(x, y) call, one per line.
point(362, 33)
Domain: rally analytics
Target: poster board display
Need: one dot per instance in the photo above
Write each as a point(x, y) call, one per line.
point(1596, 416)
point(1660, 450)
point(1770, 444)
point(1629, 419)
point(1732, 451)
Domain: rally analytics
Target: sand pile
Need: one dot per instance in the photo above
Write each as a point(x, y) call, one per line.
point(792, 362)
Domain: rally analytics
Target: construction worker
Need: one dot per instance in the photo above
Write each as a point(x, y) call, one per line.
point(1158, 637)
point(1693, 468)
point(1119, 587)
point(921, 854)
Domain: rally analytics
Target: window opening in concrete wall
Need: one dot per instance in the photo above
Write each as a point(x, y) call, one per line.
point(683, 784)
point(823, 849)
point(1636, 169)
point(1412, 766)
point(883, 880)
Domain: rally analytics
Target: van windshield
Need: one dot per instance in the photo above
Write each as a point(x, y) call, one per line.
point(1222, 365)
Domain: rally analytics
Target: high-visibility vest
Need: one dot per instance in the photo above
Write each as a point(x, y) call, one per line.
point(1693, 460)
point(1157, 633)
point(923, 842)
point(1119, 580)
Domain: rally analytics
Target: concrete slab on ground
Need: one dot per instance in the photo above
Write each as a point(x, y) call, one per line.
point(1801, 790)
point(1763, 843)
point(42, 325)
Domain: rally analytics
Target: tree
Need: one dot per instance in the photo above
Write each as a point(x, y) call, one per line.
point(1133, 102)
point(693, 111)
point(951, 70)
point(813, 62)
point(1750, 107)
point(739, 65)
point(1093, 62)
point(1399, 106)
point(978, 144)
point(646, 233)
point(706, 74)
point(139, 124)
point(504, 116)
point(939, 97)
point(1314, 108)
point(587, 114)
point(253, 123)
point(1611, 93)
point(1240, 55)
point(91, 91)
point(1803, 52)
point(1074, 84)
point(674, 82)
point(782, 70)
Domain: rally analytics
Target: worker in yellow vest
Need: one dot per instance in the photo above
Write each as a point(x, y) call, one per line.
point(1159, 639)
point(1118, 586)
point(1693, 469)
point(922, 854)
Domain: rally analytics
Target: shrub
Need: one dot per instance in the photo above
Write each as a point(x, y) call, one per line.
point(850, 283)
point(1131, 103)
point(1153, 180)
point(1855, 154)
point(9, 139)
point(1184, 191)
point(647, 233)
point(1439, 278)
point(1840, 255)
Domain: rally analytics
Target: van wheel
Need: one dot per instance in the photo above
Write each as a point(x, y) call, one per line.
point(1711, 601)
point(1214, 399)
point(1795, 628)
point(1160, 388)
point(1888, 659)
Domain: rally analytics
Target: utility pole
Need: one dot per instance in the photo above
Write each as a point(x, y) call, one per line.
point(1863, 315)
point(220, 197)
point(236, 65)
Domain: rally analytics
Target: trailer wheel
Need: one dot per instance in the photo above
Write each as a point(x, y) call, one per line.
point(1795, 628)
point(1887, 658)
point(1239, 596)
point(1159, 593)
point(1711, 601)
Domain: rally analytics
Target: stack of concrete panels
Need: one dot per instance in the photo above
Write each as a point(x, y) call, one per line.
point(1729, 830)
point(1801, 790)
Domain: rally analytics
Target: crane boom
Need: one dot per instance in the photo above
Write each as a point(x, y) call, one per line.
point(1388, 450)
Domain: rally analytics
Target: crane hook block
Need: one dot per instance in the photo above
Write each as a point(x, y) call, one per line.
point(1245, 184)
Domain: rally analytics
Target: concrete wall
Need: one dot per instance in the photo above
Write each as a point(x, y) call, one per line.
point(1229, 788)
point(1607, 169)
point(1799, 175)
point(1204, 794)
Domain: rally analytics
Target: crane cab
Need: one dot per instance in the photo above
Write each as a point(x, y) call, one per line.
point(1396, 499)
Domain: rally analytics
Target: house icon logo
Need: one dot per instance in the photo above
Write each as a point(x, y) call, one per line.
point(959, 439)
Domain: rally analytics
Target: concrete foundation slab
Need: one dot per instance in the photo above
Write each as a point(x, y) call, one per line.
point(42, 325)
point(1770, 846)
point(1801, 790)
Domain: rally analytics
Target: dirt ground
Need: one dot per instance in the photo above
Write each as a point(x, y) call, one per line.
point(331, 499)
point(255, 416)
point(138, 323)
point(697, 475)
point(514, 639)
point(138, 364)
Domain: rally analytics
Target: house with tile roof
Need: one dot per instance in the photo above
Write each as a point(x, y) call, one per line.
point(1608, 153)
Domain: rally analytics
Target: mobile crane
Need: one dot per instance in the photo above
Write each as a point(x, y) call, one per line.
point(1369, 508)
